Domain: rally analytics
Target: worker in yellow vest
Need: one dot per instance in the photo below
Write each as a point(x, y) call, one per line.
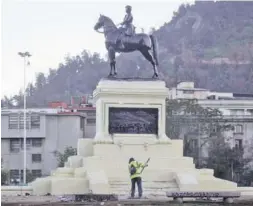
point(135, 170)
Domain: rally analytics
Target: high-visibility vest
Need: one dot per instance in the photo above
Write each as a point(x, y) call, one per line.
point(138, 166)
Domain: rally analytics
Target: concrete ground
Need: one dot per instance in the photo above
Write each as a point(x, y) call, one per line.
point(56, 201)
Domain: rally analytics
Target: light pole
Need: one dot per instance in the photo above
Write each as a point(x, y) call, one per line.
point(24, 55)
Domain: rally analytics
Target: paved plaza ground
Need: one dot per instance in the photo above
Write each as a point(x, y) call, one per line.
point(57, 201)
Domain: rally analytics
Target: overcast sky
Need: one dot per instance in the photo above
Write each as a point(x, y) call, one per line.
point(50, 30)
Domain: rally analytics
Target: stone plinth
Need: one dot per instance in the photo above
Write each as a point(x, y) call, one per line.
point(129, 94)
point(101, 166)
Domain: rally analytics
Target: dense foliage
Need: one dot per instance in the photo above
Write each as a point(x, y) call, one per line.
point(203, 132)
point(63, 157)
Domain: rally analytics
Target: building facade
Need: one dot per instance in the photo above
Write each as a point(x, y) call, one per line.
point(48, 130)
point(90, 120)
point(237, 110)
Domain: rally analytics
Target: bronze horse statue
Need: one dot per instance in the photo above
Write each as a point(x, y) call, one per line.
point(144, 43)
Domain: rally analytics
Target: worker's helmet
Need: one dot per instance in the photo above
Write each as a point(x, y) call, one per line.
point(131, 159)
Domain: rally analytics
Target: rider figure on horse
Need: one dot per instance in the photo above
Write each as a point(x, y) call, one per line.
point(127, 24)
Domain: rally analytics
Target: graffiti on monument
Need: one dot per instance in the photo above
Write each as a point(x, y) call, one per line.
point(133, 120)
point(195, 194)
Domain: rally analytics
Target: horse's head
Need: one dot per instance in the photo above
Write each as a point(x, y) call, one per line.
point(104, 21)
point(100, 22)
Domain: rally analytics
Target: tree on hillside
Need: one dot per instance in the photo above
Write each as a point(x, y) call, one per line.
point(19, 99)
point(6, 102)
point(40, 81)
point(51, 76)
point(30, 91)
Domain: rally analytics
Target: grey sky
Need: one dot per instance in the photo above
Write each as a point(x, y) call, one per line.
point(50, 30)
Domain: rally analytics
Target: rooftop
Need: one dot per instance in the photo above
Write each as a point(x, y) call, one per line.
point(46, 111)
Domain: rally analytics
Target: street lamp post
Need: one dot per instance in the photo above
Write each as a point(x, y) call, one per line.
point(24, 55)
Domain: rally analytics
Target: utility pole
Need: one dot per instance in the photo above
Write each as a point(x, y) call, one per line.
point(25, 56)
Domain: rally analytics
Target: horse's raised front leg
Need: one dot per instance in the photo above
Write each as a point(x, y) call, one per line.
point(112, 59)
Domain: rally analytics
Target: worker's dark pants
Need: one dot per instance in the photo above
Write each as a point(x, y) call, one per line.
point(139, 184)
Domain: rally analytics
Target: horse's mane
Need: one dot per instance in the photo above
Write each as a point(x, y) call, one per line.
point(108, 19)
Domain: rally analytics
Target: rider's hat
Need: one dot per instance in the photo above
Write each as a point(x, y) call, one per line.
point(128, 7)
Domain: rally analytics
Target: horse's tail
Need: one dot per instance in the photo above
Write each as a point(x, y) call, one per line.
point(154, 49)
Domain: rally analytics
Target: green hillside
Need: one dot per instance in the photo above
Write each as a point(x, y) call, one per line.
point(210, 43)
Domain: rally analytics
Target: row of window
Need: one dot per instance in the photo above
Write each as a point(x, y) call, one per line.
point(238, 129)
point(18, 174)
point(91, 121)
point(17, 144)
point(194, 143)
point(16, 121)
point(91, 113)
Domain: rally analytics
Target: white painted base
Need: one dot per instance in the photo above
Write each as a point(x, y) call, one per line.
point(106, 172)
point(101, 166)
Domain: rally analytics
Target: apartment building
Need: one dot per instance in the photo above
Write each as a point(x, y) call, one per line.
point(48, 130)
point(237, 109)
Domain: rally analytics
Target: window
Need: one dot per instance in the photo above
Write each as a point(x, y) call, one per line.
point(35, 121)
point(22, 174)
point(13, 121)
point(91, 113)
point(16, 121)
point(36, 158)
point(36, 173)
point(14, 145)
point(238, 129)
point(91, 121)
point(14, 175)
point(37, 142)
point(82, 123)
point(188, 92)
point(214, 128)
point(21, 121)
point(28, 143)
point(194, 143)
point(250, 111)
point(238, 143)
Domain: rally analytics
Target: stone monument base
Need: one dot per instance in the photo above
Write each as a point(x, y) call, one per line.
point(104, 170)
point(101, 165)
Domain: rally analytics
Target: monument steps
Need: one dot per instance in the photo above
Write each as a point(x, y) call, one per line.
point(150, 188)
point(155, 161)
point(148, 174)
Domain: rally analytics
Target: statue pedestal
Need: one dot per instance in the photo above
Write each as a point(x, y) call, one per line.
point(122, 98)
point(130, 122)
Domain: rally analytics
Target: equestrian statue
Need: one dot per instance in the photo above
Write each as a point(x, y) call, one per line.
point(124, 39)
